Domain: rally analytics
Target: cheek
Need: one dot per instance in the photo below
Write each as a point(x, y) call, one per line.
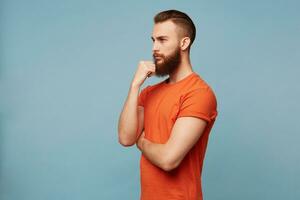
point(167, 48)
point(171, 47)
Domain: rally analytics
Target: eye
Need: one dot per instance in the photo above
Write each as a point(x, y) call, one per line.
point(160, 40)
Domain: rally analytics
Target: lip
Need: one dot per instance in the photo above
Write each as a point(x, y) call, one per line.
point(156, 55)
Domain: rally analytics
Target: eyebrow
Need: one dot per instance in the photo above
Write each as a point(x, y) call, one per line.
point(160, 37)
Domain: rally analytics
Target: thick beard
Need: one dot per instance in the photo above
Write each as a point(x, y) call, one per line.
point(168, 64)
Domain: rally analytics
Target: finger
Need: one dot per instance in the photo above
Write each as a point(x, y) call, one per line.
point(149, 74)
point(152, 69)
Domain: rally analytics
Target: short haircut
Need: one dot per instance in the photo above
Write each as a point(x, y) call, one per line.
point(182, 20)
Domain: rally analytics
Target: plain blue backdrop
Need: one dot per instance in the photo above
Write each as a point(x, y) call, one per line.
point(65, 70)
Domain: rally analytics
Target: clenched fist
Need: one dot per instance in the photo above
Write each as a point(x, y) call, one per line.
point(145, 69)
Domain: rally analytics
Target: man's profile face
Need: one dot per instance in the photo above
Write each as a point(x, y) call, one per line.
point(166, 51)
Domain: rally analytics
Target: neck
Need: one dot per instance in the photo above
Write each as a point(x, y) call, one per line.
point(183, 70)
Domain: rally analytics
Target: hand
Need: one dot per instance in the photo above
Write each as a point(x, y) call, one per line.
point(145, 69)
point(140, 141)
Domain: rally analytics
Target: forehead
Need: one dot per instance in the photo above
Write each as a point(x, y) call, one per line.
point(167, 28)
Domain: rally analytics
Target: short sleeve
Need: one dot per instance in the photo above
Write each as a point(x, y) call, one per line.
point(199, 103)
point(142, 96)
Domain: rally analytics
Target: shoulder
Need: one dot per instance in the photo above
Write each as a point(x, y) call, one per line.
point(199, 92)
point(198, 85)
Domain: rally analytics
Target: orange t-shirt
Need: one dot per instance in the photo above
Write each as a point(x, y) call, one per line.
point(163, 103)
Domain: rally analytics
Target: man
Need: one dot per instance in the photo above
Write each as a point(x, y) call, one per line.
point(169, 121)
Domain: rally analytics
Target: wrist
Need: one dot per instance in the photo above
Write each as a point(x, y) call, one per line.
point(135, 86)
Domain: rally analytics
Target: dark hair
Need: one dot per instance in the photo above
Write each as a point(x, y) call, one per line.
point(182, 20)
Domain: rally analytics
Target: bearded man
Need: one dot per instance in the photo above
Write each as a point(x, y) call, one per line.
point(169, 121)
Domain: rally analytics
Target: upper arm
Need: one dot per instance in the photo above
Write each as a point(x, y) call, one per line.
point(140, 121)
point(185, 133)
point(197, 109)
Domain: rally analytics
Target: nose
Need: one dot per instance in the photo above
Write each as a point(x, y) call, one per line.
point(155, 47)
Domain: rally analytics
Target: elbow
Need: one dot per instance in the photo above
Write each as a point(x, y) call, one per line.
point(125, 141)
point(125, 144)
point(169, 165)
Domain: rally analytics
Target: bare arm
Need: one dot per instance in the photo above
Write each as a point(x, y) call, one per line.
point(185, 133)
point(131, 120)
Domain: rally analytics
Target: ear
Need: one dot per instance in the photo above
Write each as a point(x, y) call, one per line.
point(185, 42)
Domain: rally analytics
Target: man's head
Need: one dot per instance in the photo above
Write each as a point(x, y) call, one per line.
point(173, 34)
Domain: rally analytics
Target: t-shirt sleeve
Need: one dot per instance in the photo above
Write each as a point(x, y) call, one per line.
point(142, 96)
point(199, 103)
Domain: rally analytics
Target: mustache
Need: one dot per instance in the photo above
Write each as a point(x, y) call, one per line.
point(157, 55)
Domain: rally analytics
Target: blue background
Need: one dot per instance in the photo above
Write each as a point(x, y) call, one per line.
point(65, 70)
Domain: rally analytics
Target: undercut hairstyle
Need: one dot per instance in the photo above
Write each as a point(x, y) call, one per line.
point(186, 27)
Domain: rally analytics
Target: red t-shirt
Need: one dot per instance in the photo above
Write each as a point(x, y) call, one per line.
point(163, 103)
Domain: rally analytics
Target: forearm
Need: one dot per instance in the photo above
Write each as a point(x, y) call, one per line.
point(128, 120)
point(155, 153)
